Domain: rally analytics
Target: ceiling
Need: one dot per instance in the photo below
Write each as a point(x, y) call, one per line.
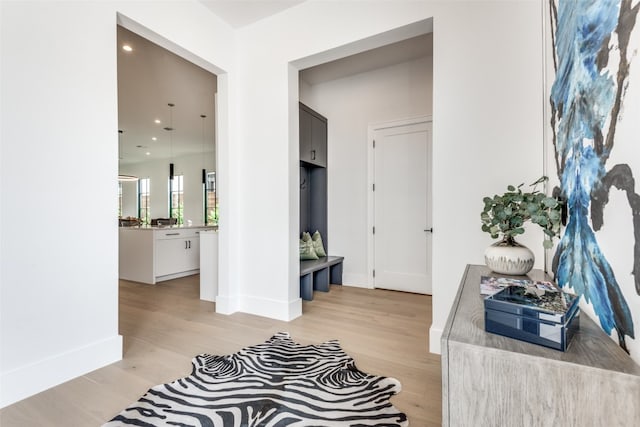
point(149, 78)
point(384, 56)
point(239, 13)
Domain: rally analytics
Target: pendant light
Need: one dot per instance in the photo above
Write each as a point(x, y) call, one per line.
point(204, 171)
point(123, 177)
point(204, 176)
point(170, 130)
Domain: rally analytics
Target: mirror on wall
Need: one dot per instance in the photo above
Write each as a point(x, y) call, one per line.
point(166, 125)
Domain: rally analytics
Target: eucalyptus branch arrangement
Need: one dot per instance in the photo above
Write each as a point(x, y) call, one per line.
point(506, 214)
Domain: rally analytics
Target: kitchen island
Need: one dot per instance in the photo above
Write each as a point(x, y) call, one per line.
point(151, 254)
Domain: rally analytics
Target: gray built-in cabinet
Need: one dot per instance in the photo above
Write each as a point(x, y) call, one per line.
point(313, 137)
point(315, 275)
point(313, 172)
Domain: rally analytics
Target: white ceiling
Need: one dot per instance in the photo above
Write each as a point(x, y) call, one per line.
point(239, 13)
point(149, 78)
point(384, 56)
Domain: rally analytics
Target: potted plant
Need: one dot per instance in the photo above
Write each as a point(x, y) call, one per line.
point(504, 216)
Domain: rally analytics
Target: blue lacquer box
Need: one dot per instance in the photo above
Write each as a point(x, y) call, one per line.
point(528, 313)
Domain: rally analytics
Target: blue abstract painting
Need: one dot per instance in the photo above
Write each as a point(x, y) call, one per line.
point(592, 67)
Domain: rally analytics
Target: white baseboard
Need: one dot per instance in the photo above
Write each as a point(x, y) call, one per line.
point(356, 280)
point(35, 377)
point(271, 308)
point(295, 308)
point(226, 304)
point(265, 307)
point(434, 340)
point(357, 285)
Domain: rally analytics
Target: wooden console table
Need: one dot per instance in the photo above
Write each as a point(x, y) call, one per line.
point(490, 380)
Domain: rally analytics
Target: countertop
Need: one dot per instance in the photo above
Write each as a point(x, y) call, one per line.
point(171, 227)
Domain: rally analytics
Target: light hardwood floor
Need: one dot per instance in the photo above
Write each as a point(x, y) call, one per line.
point(165, 325)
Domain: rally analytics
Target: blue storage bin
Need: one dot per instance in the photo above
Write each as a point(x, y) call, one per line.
point(539, 317)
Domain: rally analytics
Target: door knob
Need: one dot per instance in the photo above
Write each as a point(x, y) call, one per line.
point(429, 230)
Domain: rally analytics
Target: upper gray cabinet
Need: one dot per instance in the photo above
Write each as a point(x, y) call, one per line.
point(313, 137)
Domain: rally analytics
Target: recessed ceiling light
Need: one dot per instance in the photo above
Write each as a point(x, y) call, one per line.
point(148, 153)
point(154, 138)
point(157, 121)
point(127, 48)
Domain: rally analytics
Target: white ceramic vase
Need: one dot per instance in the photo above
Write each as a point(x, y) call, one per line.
point(509, 257)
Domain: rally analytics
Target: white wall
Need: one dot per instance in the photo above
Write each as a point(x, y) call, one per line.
point(59, 163)
point(59, 283)
point(487, 121)
point(488, 129)
point(351, 105)
point(190, 166)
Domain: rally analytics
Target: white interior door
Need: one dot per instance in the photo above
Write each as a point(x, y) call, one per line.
point(402, 229)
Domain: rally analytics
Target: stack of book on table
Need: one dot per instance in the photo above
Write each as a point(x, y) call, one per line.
point(533, 311)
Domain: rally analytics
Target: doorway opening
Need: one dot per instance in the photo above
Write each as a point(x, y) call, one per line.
point(354, 92)
point(166, 120)
point(168, 126)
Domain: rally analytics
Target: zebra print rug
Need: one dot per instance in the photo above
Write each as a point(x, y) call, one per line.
point(274, 384)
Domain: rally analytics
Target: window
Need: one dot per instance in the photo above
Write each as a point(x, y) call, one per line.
point(119, 199)
point(144, 205)
point(176, 195)
point(210, 200)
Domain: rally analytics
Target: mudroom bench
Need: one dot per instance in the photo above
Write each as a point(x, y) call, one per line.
point(317, 274)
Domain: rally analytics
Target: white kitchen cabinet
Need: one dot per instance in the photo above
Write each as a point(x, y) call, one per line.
point(177, 253)
point(151, 254)
point(135, 255)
